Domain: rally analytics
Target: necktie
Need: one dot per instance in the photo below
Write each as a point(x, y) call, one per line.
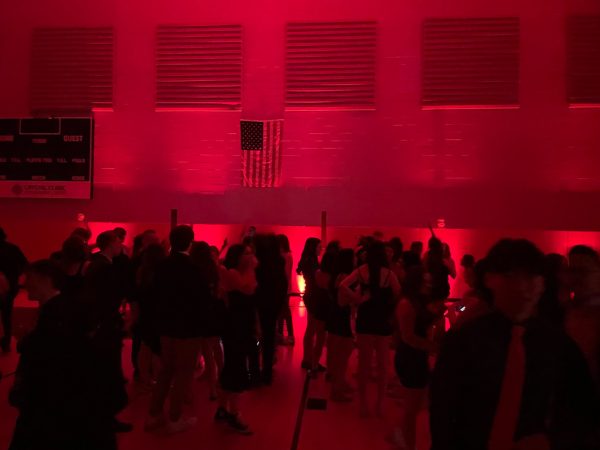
point(509, 405)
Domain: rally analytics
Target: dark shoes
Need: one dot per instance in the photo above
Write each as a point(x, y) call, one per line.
point(233, 420)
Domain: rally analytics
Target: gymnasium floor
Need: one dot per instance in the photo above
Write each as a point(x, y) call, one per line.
point(272, 413)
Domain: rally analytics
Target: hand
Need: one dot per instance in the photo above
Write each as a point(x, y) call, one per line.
point(533, 442)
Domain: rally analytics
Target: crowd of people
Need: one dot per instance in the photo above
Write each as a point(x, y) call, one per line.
point(514, 364)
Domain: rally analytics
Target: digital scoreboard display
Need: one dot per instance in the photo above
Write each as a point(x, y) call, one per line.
point(46, 158)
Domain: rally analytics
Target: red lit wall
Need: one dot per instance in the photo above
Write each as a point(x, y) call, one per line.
point(532, 168)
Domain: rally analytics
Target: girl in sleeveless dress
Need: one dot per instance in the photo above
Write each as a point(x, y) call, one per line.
point(314, 337)
point(375, 297)
point(420, 318)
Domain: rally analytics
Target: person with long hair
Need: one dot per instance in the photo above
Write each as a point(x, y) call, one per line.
point(393, 252)
point(340, 338)
point(210, 341)
point(436, 264)
point(239, 334)
point(314, 336)
point(418, 316)
point(271, 293)
point(324, 291)
point(375, 296)
point(286, 313)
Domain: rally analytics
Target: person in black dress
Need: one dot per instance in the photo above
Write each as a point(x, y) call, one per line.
point(377, 290)
point(286, 313)
point(210, 342)
point(57, 387)
point(239, 333)
point(511, 365)
point(420, 319)
point(314, 336)
point(271, 294)
point(12, 265)
point(340, 339)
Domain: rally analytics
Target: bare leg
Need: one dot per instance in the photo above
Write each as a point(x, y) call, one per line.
point(321, 335)
point(308, 342)
point(383, 358)
point(365, 356)
point(411, 406)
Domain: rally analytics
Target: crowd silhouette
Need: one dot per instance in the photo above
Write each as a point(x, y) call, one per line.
point(512, 365)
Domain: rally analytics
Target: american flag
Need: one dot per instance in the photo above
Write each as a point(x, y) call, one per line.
point(261, 153)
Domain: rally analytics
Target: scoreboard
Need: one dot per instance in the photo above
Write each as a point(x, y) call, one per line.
point(46, 158)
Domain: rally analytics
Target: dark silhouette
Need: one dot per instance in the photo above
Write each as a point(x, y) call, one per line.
point(12, 265)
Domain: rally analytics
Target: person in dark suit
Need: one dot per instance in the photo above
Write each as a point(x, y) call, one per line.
point(12, 265)
point(508, 379)
point(180, 305)
point(104, 292)
point(56, 383)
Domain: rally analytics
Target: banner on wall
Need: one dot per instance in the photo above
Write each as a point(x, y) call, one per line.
point(46, 158)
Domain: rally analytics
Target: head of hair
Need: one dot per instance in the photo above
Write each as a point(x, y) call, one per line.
point(410, 259)
point(346, 261)
point(416, 246)
point(153, 254)
point(584, 250)
point(398, 248)
point(2, 235)
point(412, 286)
point(310, 256)
point(121, 233)
point(105, 239)
point(201, 256)
point(83, 233)
point(467, 261)
point(333, 246)
point(435, 245)
point(234, 256)
point(515, 255)
point(181, 237)
point(365, 241)
point(74, 250)
point(284, 243)
point(47, 269)
point(138, 243)
point(376, 260)
point(150, 259)
point(330, 262)
point(268, 252)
